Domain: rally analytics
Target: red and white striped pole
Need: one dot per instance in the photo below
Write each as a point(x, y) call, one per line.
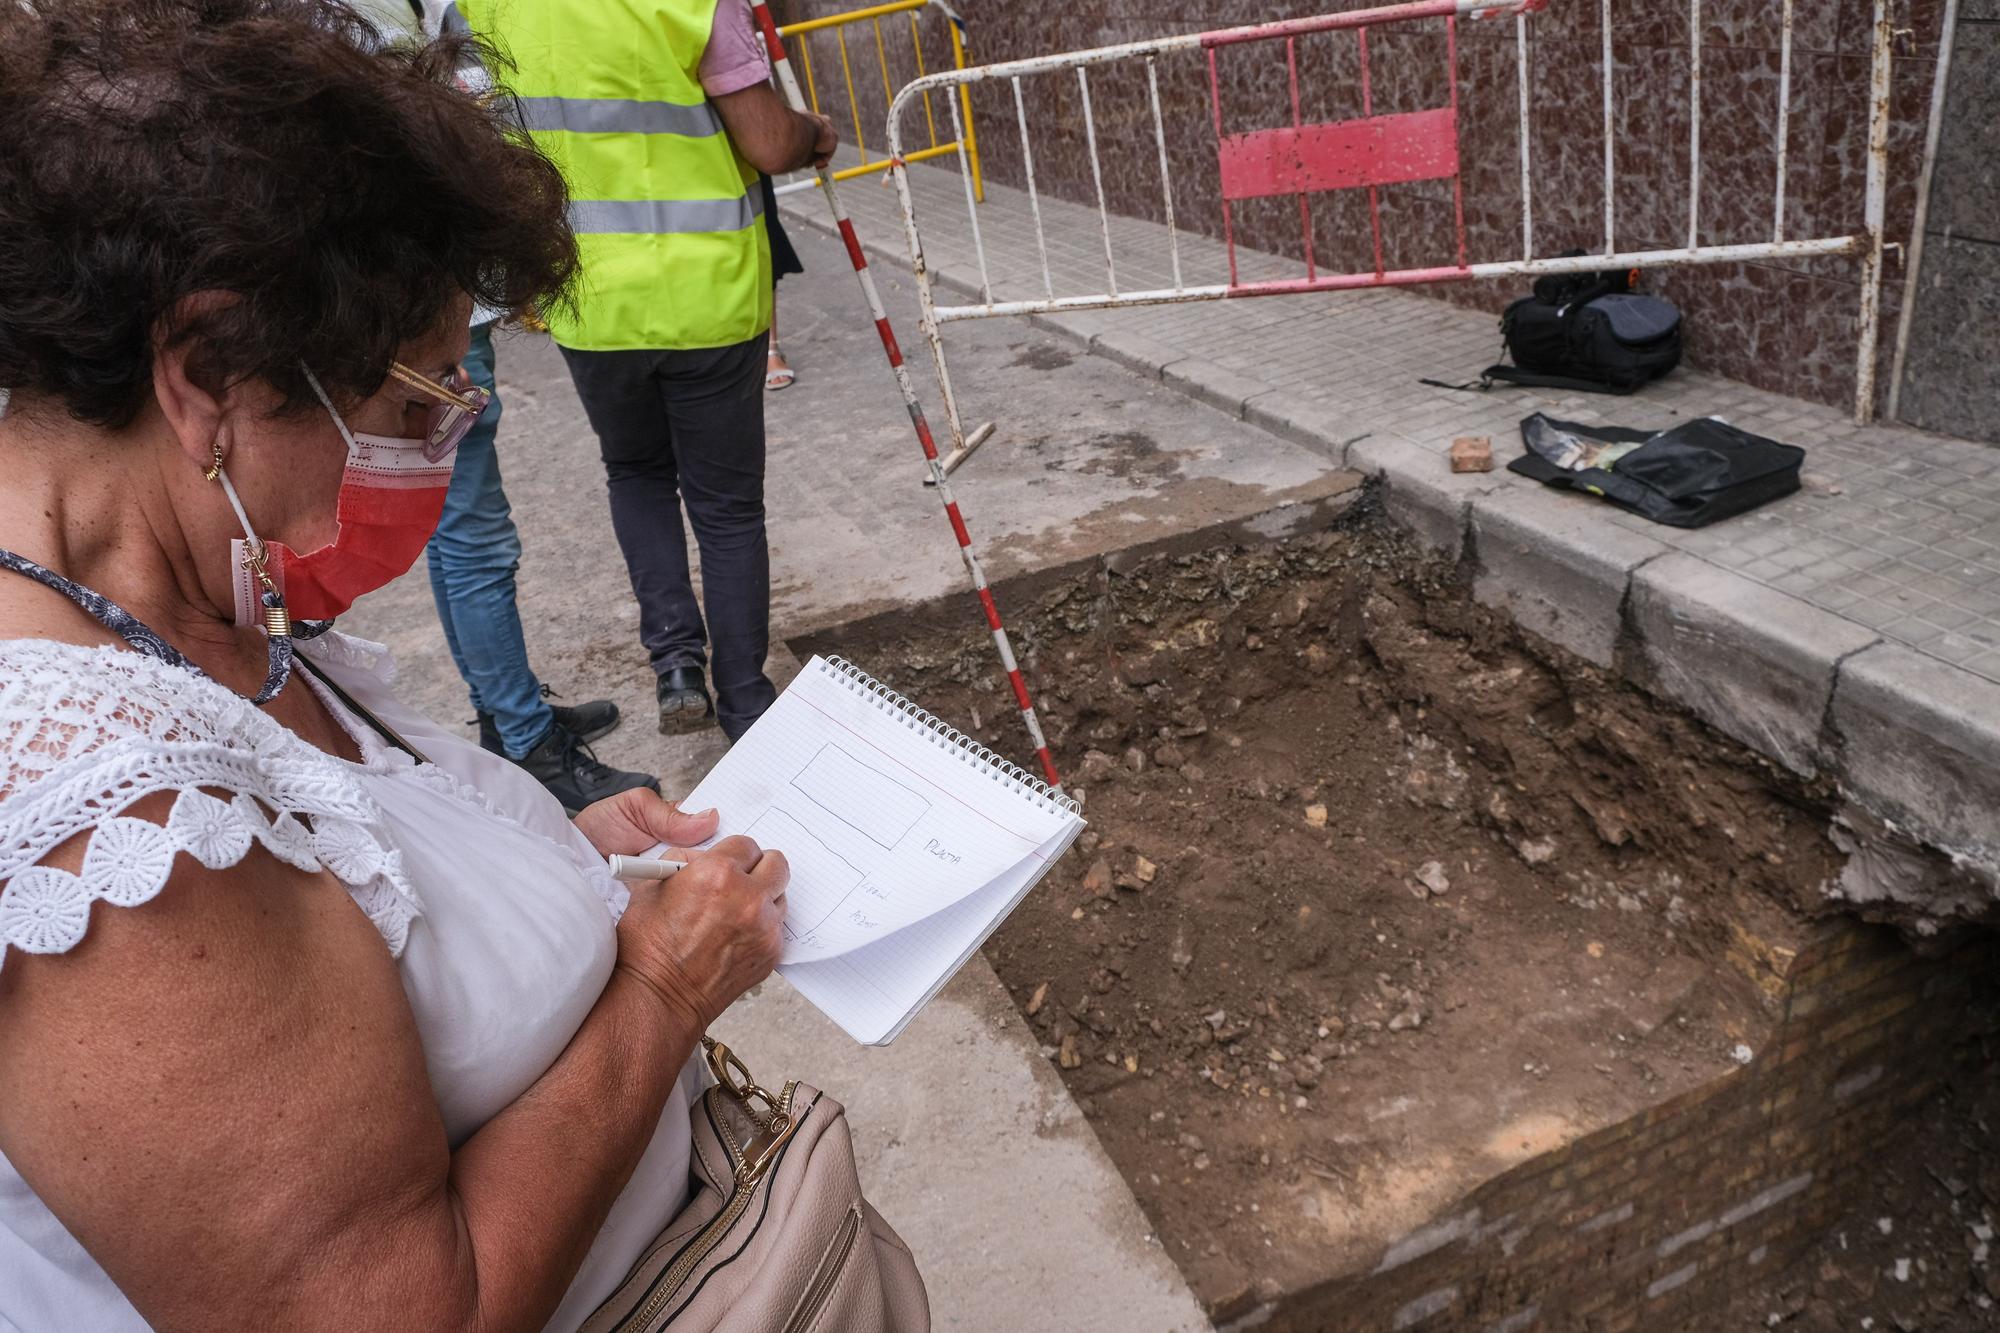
point(790, 85)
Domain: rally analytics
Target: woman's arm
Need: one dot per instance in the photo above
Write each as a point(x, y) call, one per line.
point(222, 1094)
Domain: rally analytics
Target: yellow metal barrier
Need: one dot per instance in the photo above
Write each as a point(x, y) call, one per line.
point(838, 25)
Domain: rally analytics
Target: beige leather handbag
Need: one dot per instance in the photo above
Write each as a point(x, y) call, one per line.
point(776, 1238)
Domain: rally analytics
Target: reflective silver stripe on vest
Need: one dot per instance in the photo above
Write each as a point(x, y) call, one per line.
point(618, 115)
point(657, 216)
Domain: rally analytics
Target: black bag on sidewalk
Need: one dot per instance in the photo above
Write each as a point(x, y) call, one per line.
point(1608, 342)
point(1588, 332)
point(1687, 477)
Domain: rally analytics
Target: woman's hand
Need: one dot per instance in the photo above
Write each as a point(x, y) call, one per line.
point(704, 936)
point(634, 822)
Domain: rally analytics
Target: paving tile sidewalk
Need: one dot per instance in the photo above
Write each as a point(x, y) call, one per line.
point(1887, 564)
point(1898, 530)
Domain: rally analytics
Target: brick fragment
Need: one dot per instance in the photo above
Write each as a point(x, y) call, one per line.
point(1472, 453)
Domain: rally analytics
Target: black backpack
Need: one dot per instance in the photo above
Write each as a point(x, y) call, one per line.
point(1686, 477)
point(1590, 332)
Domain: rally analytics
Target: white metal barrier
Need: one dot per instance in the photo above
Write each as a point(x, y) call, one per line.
point(1368, 153)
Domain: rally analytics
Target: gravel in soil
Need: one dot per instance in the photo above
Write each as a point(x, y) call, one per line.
point(1377, 899)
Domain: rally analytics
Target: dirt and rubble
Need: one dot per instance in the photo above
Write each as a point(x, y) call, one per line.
point(1377, 899)
point(1918, 1251)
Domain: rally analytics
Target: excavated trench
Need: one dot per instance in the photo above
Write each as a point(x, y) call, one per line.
point(1397, 939)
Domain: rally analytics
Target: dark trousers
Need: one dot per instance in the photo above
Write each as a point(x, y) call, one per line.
point(685, 429)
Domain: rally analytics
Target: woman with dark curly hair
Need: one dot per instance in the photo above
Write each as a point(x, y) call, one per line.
point(312, 1014)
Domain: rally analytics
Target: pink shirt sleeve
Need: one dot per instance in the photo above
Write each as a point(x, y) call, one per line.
point(735, 57)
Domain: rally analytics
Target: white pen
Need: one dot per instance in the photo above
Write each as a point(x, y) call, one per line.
point(639, 867)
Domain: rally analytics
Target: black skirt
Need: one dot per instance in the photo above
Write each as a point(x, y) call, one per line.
point(784, 259)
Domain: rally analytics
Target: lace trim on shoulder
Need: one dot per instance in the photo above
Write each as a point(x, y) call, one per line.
point(46, 909)
point(85, 732)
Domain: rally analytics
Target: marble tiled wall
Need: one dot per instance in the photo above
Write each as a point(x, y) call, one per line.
point(1955, 337)
point(1787, 327)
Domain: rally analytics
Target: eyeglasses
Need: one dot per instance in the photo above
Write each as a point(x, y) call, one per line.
point(459, 404)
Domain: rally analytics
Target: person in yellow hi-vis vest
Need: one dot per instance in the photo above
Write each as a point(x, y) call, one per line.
point(661, 115)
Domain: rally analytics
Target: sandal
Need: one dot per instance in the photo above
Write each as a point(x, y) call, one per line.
point(778, 375)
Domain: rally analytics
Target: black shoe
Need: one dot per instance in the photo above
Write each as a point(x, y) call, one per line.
point(684, 701)
point(586, 722)
point(565, 765)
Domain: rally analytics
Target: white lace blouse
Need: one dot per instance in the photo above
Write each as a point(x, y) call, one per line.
point(498, 911)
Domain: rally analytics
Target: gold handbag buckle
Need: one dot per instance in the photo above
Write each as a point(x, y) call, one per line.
point(764, 1150)
point(775, 1130)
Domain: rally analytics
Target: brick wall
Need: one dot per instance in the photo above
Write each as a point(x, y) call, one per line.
point(1790, 328)
point(1648, 1223)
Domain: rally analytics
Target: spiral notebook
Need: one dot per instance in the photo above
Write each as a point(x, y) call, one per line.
point(909, 843)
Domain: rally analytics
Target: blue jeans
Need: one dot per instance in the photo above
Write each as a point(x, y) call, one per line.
point(472, 560)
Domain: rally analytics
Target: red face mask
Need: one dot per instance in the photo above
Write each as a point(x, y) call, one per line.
point(391, 496)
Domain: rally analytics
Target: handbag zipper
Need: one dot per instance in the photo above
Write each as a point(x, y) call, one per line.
point(677, 1274)
point(829, 1274)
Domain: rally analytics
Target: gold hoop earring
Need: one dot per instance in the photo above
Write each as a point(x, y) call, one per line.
point(214, 470)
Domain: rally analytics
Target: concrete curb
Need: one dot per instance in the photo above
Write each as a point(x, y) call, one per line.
point(1752, 662)
point(1418, 492)
point(1300, 419)
point(1911, 738)
point(1918, 742)
point(1135, 351)
point(1224, 390)
point(1554, 564)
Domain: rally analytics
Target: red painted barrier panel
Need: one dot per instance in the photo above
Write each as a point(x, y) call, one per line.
point(1341, 155)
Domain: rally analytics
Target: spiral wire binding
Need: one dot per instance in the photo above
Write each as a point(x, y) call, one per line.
point(946, 736)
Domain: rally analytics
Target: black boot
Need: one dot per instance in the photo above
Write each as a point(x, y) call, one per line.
point(565, 765)
point(586, 722)
point(684, 701)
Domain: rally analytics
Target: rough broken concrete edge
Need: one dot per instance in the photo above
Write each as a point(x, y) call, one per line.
point(1680, 621)
point(1949, 718)
point(1018, 588)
